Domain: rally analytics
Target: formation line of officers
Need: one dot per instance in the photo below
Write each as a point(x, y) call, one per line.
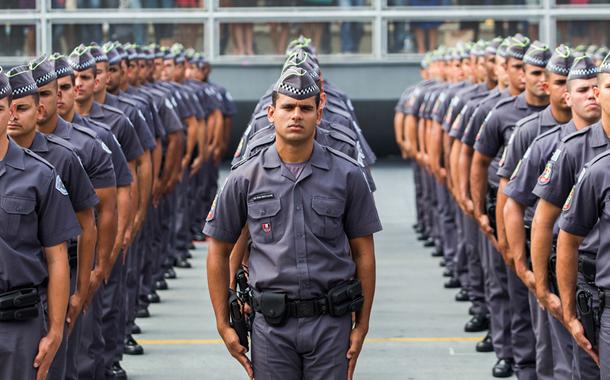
point(511, 140)
point(109, 160)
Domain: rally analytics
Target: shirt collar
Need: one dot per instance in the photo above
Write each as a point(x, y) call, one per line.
point(319, 159)
point(520, 101)
point(39, 144)
point(96, 111)
point(111, 99)
point(62, 129)
point(598, 137)
point(546, 117)
point(15, 156)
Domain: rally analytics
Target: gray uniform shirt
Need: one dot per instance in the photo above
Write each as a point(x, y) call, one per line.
point(300, 228)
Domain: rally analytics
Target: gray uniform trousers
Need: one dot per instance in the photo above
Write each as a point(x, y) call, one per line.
point(149, 258)
point(167, 221)
point(604, 345)
point(545, 356)
point(419, 193)
point(304, 348)
point(498, 304)
point(206, 195)
point(461, 256)
point(113, 305)
point(19, 346)
point(184, 190)
point(447, 227)
point(90, 364)
point(584, 367)
point(476, 278)
point(522, 333)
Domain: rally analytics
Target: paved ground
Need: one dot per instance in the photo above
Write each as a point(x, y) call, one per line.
point(416, 328)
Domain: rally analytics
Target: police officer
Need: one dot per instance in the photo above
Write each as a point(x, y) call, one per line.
point(333, 206)
point(558, 178)
point(582, 212)
point(33, 246)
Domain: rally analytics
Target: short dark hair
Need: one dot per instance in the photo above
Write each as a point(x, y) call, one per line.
point(275, 94)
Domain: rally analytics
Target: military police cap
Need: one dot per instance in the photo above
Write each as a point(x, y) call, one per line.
point(502, 49)
point(583, 68)
point(600, 54)
point(121, 50)
point(604, 67)
point(81, 59)
point(114, 58)
point(463, 50)
point(22, 82)
point(296, 83)
point(517, 47)
point(493, 45)
point(43, 70)
point(581, 48)
point(98, 53)
point(301, 61)
point(478, 49)
point(168, 54)
point(148, 53)
point(62, 65)
point(5, 86)
point(131, 52)
point(300, 43)
point(140, 54)
point(157, 51)
point(178, 51)
point(591, 49)
point(561, 61)
point(538, 54)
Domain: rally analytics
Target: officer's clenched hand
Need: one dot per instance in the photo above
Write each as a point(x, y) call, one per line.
point(47, 348)
point(229, 336)
point(550, 302)
point(356, 339)
point(75, 306)
point(95, 280)
point(196, 165)
point(578, 332)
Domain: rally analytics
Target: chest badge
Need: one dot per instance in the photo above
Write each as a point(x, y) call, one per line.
point(266, 227)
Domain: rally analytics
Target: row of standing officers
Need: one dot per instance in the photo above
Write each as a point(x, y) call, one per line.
point(103, 155)
point(511, 141)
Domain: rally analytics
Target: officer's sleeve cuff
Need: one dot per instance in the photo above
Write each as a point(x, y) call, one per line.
point(104, 182)
point(220, 234)
point(64, 236)
point(568, 225)
point(365, 230)
point(89, 202)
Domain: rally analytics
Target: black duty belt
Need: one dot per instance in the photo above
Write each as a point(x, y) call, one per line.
point(19, 305)
point(298, 308)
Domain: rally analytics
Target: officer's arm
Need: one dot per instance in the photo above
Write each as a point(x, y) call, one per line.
point(421, 139)
point(132, 206)
point(227, 124)
point(436, 148)
point(567, 264)
point(107, 219)
point(399, 119)
point(363, 254)
point(145, 179)
point(171, 158)
point(454, 161)
point(542, 241)
point(478, 181)
point(502, 240)
point(124, 216)
point(58, 289)
point(218, 280)
point(514, 213)
point(465, 163)
point(410, 135)
point(191, 140)
point(86, 249)
point(447, 141)
point(157, 157)
point(239, 254)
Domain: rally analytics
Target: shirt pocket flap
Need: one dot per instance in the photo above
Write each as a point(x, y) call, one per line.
point(266, 209)
point(19, 206)
point(328, 206)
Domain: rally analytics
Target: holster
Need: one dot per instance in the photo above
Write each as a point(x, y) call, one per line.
point(587, 267)
point(237, 319)
point(553, 287)
point(273, 307)
point(19, 305)
point(490, 207)
point(345, 298)
point(587, 314)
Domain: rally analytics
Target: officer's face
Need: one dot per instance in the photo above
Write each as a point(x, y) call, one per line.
point(457, 74)
point(536, 81)
point(516, 73)
point(158, 69)
point(556, 88)
point(85, 84)
point(24, 113)
point(295, 120)
point(602, 93)
point(466, 70)
point(581, 98)
point(5, 114)
point(168, 70)
point(480, 71)
point(65, 96)
point(490, 67)
point(114, 77)
point(48, 100)
point(102, 77)
point(501, 73)
point(179, 72)
point(133, 72)
point(143, 72)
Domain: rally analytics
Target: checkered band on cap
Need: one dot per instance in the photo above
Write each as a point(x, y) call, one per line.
point(492, 46)
point(62, 66)
point(604, 67)
point(98, 54)
point(43, 70)
point(538, 54)
point(296, 83)
point(560, 61)
point(5, 86)
point(583, 68)
point(517, 47)
point(22, 82)
point(81, 59)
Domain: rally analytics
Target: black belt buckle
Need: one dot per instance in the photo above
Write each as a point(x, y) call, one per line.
point(304, 309)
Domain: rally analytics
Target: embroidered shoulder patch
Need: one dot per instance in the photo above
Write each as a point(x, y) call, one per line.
point(59, 186)
point(568, 204)
point(545, 177)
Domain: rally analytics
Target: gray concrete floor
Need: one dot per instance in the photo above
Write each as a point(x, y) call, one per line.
point(416, 327)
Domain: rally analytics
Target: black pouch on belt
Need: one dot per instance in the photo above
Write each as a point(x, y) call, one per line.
point(490, 207)
point(273, 308)
point(586, 266)
point(18, 299)
point(586, 315)
point(345, 298)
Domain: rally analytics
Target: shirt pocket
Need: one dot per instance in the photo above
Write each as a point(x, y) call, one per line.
point(264, 219)
point(14, 212)
point(327, 220)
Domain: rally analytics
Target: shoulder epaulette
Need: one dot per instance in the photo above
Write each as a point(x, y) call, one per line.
point(344, 130)
point(527, 119)
point(261, 131)
point(576, 134)
point(341, 137)
point(504, 101)
point(59, 141)
point(334, 109)
point(551, 131)
point(112, 109)
point(262, 113)
point(37, 157)
point(261, 140)
point(126, 100)
point(343, 155)
point(85, 130)
point(599, 157)
point(246, 159)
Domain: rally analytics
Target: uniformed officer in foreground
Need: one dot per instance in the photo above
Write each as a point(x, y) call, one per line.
point(34, 292)
point(311, 216)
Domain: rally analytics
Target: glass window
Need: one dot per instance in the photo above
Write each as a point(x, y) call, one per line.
point(580, 2)
point(18, 4)
point(17, 40)
point(433, 3)
point(67, 36)
point(73, 5)
point(294, 3)
point(421, 36)
point(583, 32)
point(240, 39)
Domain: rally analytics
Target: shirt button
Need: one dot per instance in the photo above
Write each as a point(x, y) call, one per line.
point(298, 208)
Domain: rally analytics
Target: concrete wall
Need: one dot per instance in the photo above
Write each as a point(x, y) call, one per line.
point(373, 88)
